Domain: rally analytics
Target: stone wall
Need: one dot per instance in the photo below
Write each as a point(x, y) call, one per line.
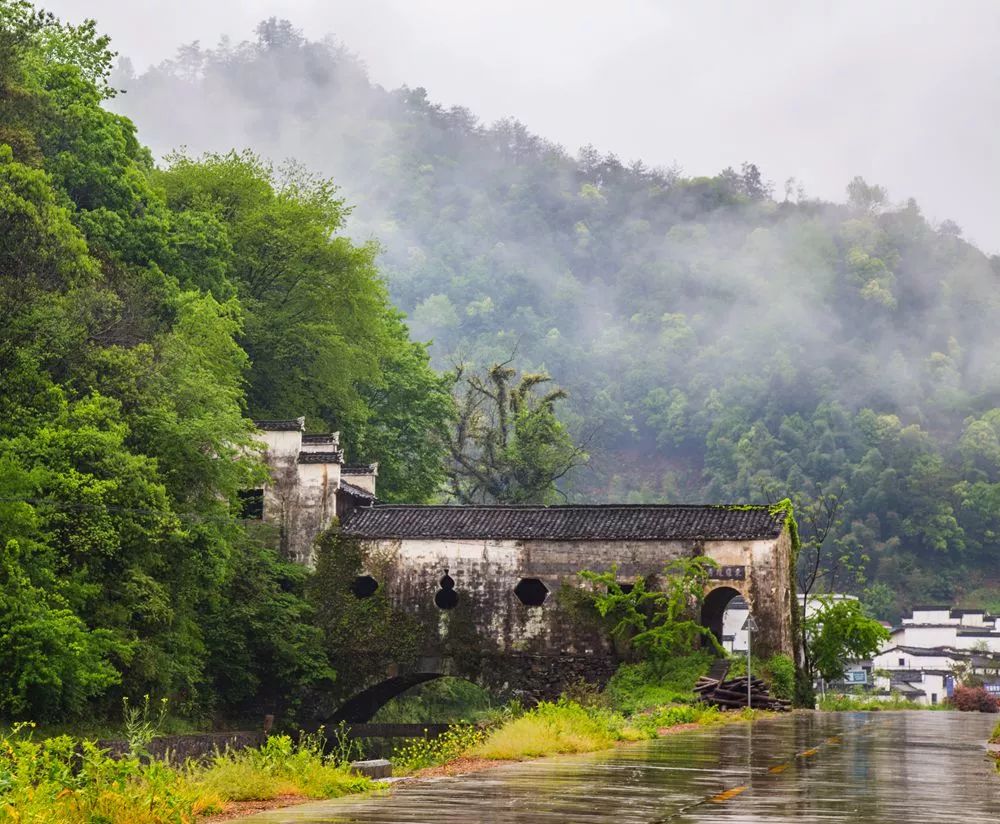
point(486, 575)
point(465, 595)
point(178, 748)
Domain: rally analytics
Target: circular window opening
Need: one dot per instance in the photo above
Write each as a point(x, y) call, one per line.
point(364, 586)
point(531, 592)
point(446, 597)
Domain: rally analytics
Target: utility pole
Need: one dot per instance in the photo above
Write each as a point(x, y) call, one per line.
point(751, 628)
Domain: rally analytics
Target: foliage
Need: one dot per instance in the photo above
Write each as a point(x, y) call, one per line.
point(657, 681)
point(837, 632)
point(453, 743)
point(974, 699)
point(550, 728)
point(146, 314)
point(565, 726)
point(66, 780)
point(142, 724)
point(871, 703)
point(53, 663)
point(718, 341)
point(654, 622)
point(280, 767)
point(318, 328)
point(779, 672)
point(506, 444)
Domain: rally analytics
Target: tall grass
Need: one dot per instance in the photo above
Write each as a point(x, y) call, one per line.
point(63, 780)
point(655, 682)
point(554, 728)
point(864, 703)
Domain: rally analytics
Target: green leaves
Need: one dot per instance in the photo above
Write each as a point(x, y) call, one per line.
point(506, 444)
point(839, 631)
point(657, 623)
point(144, 317)
point(53, 664)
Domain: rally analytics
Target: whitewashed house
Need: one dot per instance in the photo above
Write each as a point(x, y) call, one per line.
point(309, 486)
point(929, 648)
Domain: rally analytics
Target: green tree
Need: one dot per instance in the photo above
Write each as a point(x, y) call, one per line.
point(657, 623)
point(839, 631)
point(506, 444)
point(52, 663)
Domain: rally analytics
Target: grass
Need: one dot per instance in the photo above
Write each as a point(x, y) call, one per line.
point(62, 780)
point(653, 683)
point(864, 703)
point(553, 728)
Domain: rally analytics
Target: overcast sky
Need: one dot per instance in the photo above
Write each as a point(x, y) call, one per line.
point(905, 93)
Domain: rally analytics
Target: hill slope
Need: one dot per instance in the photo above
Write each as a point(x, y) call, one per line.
point(718, 342)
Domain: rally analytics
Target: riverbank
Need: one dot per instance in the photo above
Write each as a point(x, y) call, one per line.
point(863, 768)
point(63, 780)
point(550, 729)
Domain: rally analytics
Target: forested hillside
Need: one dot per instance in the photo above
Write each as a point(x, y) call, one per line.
point(720, 340)
point(146, 315)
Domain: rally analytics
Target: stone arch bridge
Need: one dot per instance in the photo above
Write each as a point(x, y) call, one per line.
point(493, 584)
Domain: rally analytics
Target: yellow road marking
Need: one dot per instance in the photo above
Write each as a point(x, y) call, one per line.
point(780, 768)
point(725, 796)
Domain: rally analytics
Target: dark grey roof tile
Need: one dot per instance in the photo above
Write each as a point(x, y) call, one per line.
point(571, 522)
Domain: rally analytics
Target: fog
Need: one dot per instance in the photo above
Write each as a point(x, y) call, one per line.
point(905, 93)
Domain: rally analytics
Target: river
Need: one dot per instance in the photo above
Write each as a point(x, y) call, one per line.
point(810, 767)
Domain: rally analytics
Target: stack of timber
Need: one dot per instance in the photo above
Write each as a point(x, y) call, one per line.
point(732, 694)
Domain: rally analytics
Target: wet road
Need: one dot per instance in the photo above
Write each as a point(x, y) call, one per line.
point(837, 767)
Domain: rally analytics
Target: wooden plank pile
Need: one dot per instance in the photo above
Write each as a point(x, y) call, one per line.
point(731, 693)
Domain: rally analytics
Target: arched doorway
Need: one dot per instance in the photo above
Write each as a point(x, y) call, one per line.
point(713, 609)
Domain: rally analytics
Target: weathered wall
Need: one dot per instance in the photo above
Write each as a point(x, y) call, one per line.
point(301, 498)
point(489, 622)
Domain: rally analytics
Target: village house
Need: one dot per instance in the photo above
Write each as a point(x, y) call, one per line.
point(934, 649)
point(310, 485)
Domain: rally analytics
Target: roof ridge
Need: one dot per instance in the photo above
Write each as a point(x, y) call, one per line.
point(526, 507)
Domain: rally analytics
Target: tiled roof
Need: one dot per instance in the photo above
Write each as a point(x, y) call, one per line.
point(356, 491)
point(293, 425)
point(606, 521)
point(330, 437)
point(359, 469)
point(320, 457)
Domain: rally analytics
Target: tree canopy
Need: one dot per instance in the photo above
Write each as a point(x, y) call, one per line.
point(147, 314)
point(720, 340)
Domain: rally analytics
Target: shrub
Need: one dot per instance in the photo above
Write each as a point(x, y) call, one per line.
point(280, 767)
point(779, 672)
point(871, 703)
point(974, 699)
point(455, 742)
point(657, 681)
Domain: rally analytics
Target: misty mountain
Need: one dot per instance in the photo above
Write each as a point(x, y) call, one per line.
point(720, 339)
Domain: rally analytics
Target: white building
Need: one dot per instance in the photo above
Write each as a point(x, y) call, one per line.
point(309, 485)
point(925, 652)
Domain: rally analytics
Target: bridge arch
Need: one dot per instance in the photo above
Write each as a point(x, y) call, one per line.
point(362, 707)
